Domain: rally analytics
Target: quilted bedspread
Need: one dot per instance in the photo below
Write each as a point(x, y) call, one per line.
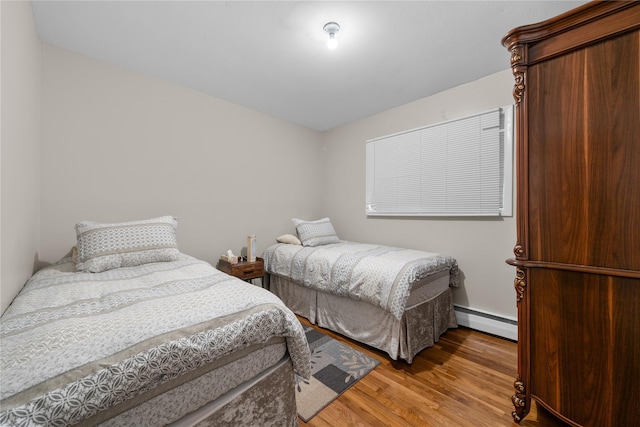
point(73, 344)
point(380, 275)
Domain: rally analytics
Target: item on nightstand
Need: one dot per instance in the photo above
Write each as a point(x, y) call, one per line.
point(229, 257)
point(251, 248)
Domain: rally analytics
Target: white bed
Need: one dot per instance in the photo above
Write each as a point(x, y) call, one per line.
point(171, 341)
point(394, 299)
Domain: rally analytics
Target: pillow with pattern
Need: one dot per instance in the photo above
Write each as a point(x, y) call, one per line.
point(315, 233)
point(103, 247)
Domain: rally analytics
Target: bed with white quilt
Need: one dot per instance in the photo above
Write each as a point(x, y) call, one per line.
point(394, 299)
point(132, 332)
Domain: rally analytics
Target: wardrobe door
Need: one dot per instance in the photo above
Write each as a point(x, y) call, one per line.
point(584, 353)
point(577, 98)
point(584, 215)
point(584, 156)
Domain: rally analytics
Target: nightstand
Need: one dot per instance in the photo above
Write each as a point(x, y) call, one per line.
point(244, 270)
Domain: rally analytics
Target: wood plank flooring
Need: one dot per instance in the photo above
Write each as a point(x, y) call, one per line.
point(466, 379)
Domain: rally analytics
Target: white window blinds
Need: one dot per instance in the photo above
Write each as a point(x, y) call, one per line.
point(457, 168)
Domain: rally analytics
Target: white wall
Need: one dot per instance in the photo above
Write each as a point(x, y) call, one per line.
point(19, 148)
point(480, 245)
point(120, 145)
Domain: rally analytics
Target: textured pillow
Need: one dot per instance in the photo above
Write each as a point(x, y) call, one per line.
point(103, 247)
point(289, 238)
point(315, 233)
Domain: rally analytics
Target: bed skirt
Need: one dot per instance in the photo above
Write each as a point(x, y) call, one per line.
point(422, 323)
point(267, 400)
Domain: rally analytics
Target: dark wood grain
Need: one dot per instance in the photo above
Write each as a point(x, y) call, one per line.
point(582, 178)
point(577, 92)
point(584, 360)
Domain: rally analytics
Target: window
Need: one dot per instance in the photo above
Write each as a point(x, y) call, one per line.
point(461, 167)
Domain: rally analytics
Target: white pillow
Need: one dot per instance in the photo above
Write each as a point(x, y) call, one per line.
point(103, 247)
point(315, 233)
point(289, 238)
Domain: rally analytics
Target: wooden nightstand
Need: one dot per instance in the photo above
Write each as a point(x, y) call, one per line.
point(244, 270)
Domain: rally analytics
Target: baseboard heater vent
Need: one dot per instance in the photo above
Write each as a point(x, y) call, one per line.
point(486, 322)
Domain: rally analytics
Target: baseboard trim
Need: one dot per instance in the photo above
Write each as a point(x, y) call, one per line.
point(487, 322)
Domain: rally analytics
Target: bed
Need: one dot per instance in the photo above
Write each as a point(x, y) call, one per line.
point(155, 337)
point(394, 299)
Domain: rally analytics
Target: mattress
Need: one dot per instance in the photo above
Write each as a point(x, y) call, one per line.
point(427, 288)
point(383, 276)
point(82, 347)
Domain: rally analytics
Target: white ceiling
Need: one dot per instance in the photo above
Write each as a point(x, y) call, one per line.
point(271, 55)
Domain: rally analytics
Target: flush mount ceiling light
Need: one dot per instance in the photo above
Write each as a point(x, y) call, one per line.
point(331, 28)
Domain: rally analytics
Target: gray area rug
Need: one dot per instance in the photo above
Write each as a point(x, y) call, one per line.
point(334, 368)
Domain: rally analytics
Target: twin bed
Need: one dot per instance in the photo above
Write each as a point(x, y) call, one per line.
point(394, 299)
point(127, 330)
point(150, 337)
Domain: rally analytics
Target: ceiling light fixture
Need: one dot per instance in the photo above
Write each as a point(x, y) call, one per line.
point(331, 28)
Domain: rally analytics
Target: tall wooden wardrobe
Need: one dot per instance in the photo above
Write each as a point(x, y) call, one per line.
point(577, 255)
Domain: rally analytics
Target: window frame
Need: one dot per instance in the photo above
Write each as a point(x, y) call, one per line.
point(392, 189)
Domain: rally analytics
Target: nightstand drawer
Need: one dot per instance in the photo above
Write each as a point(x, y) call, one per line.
point(249, 272)
point(243, 270)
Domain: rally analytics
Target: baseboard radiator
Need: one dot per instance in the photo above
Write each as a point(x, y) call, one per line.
point(486, 322)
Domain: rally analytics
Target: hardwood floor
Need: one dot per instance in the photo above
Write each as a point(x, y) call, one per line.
point(466, 379)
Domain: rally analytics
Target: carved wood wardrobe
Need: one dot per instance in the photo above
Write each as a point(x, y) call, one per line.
point(577, 255)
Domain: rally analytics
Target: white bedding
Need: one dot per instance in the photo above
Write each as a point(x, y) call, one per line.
point(380, 275)
point(74, 344)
